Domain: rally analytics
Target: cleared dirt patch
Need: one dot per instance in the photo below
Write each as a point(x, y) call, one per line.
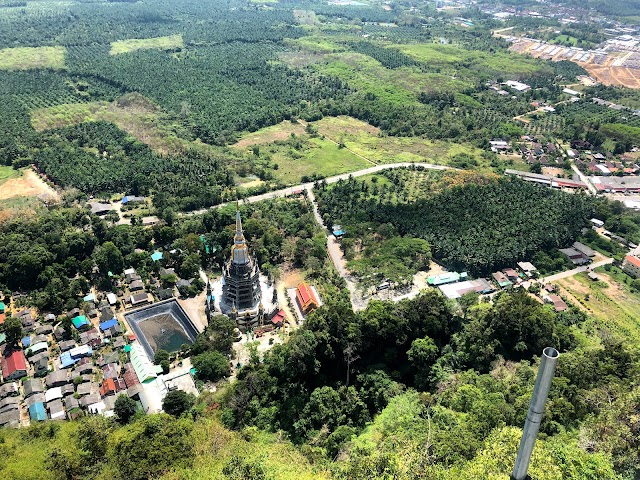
point(292, 278)
point(620, 76)
point(28, 185)
point(281, 131)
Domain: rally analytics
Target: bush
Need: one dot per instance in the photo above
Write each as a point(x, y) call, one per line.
point(211, 366)
point(177, 402)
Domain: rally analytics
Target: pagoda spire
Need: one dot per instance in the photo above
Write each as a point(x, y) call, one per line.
point(240, 250)
point(239, 238)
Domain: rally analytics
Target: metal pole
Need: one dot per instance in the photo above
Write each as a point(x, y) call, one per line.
point(547, 368)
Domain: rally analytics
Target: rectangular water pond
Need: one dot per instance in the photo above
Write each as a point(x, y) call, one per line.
point(162, 326)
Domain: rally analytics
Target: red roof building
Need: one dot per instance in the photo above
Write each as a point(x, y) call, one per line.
point(306, 298)
point(278, 318)
point(130, 376)
point(631, 266)
point(108, 387)
point(14, 365)
point(2, 318)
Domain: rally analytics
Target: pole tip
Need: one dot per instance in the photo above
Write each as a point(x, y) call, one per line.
point(551, 352)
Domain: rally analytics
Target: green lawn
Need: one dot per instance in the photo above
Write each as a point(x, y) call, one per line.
point(132, 44)
point(27, 58)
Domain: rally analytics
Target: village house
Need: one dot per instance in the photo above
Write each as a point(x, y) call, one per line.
point(501, 279)
point(56, 379)
point(631, 266)
point(576, 256)
point(558, 304)
point(9, 390)
point(14, 365)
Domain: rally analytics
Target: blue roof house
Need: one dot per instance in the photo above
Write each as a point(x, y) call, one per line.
point(104, 326)
point(80, 322)
point(37, 412)
point(66, 360)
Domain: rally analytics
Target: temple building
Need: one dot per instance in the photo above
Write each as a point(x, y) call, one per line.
point(241, 297)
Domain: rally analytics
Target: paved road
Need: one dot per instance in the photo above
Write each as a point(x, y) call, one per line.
point(575, 271)
point(584, 179)
point(309, 185)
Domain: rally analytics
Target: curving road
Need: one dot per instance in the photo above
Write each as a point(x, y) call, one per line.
point(309, 185)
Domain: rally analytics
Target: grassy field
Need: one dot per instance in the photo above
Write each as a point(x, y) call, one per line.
point(132, 113)
point(478, 61)
point(7, 172)
point(133, 44)
point(19, 206)
point(317, 156)
point(397, 86)
point(27, 58)
point(365, 140)
point(360, 138)
point(611, 302)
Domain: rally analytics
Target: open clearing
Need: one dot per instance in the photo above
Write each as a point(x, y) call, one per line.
point(29, 184)
point(612, 303)
point(364, 145)
point(281, 131)
point(320, 157)
point(616, 76)
point(27, 58)
point(161, 43)
point(365, 140)
point(132, 113)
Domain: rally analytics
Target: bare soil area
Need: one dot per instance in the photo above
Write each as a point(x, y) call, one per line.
point(28, 185)
point(282, 131)
point(617, 76)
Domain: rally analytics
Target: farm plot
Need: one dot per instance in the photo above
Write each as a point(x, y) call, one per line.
point(132, 113)
point(28, 58)
point(613, 304)
point(159, 43)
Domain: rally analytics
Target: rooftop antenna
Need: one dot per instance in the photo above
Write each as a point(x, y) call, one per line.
point(546, 371)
